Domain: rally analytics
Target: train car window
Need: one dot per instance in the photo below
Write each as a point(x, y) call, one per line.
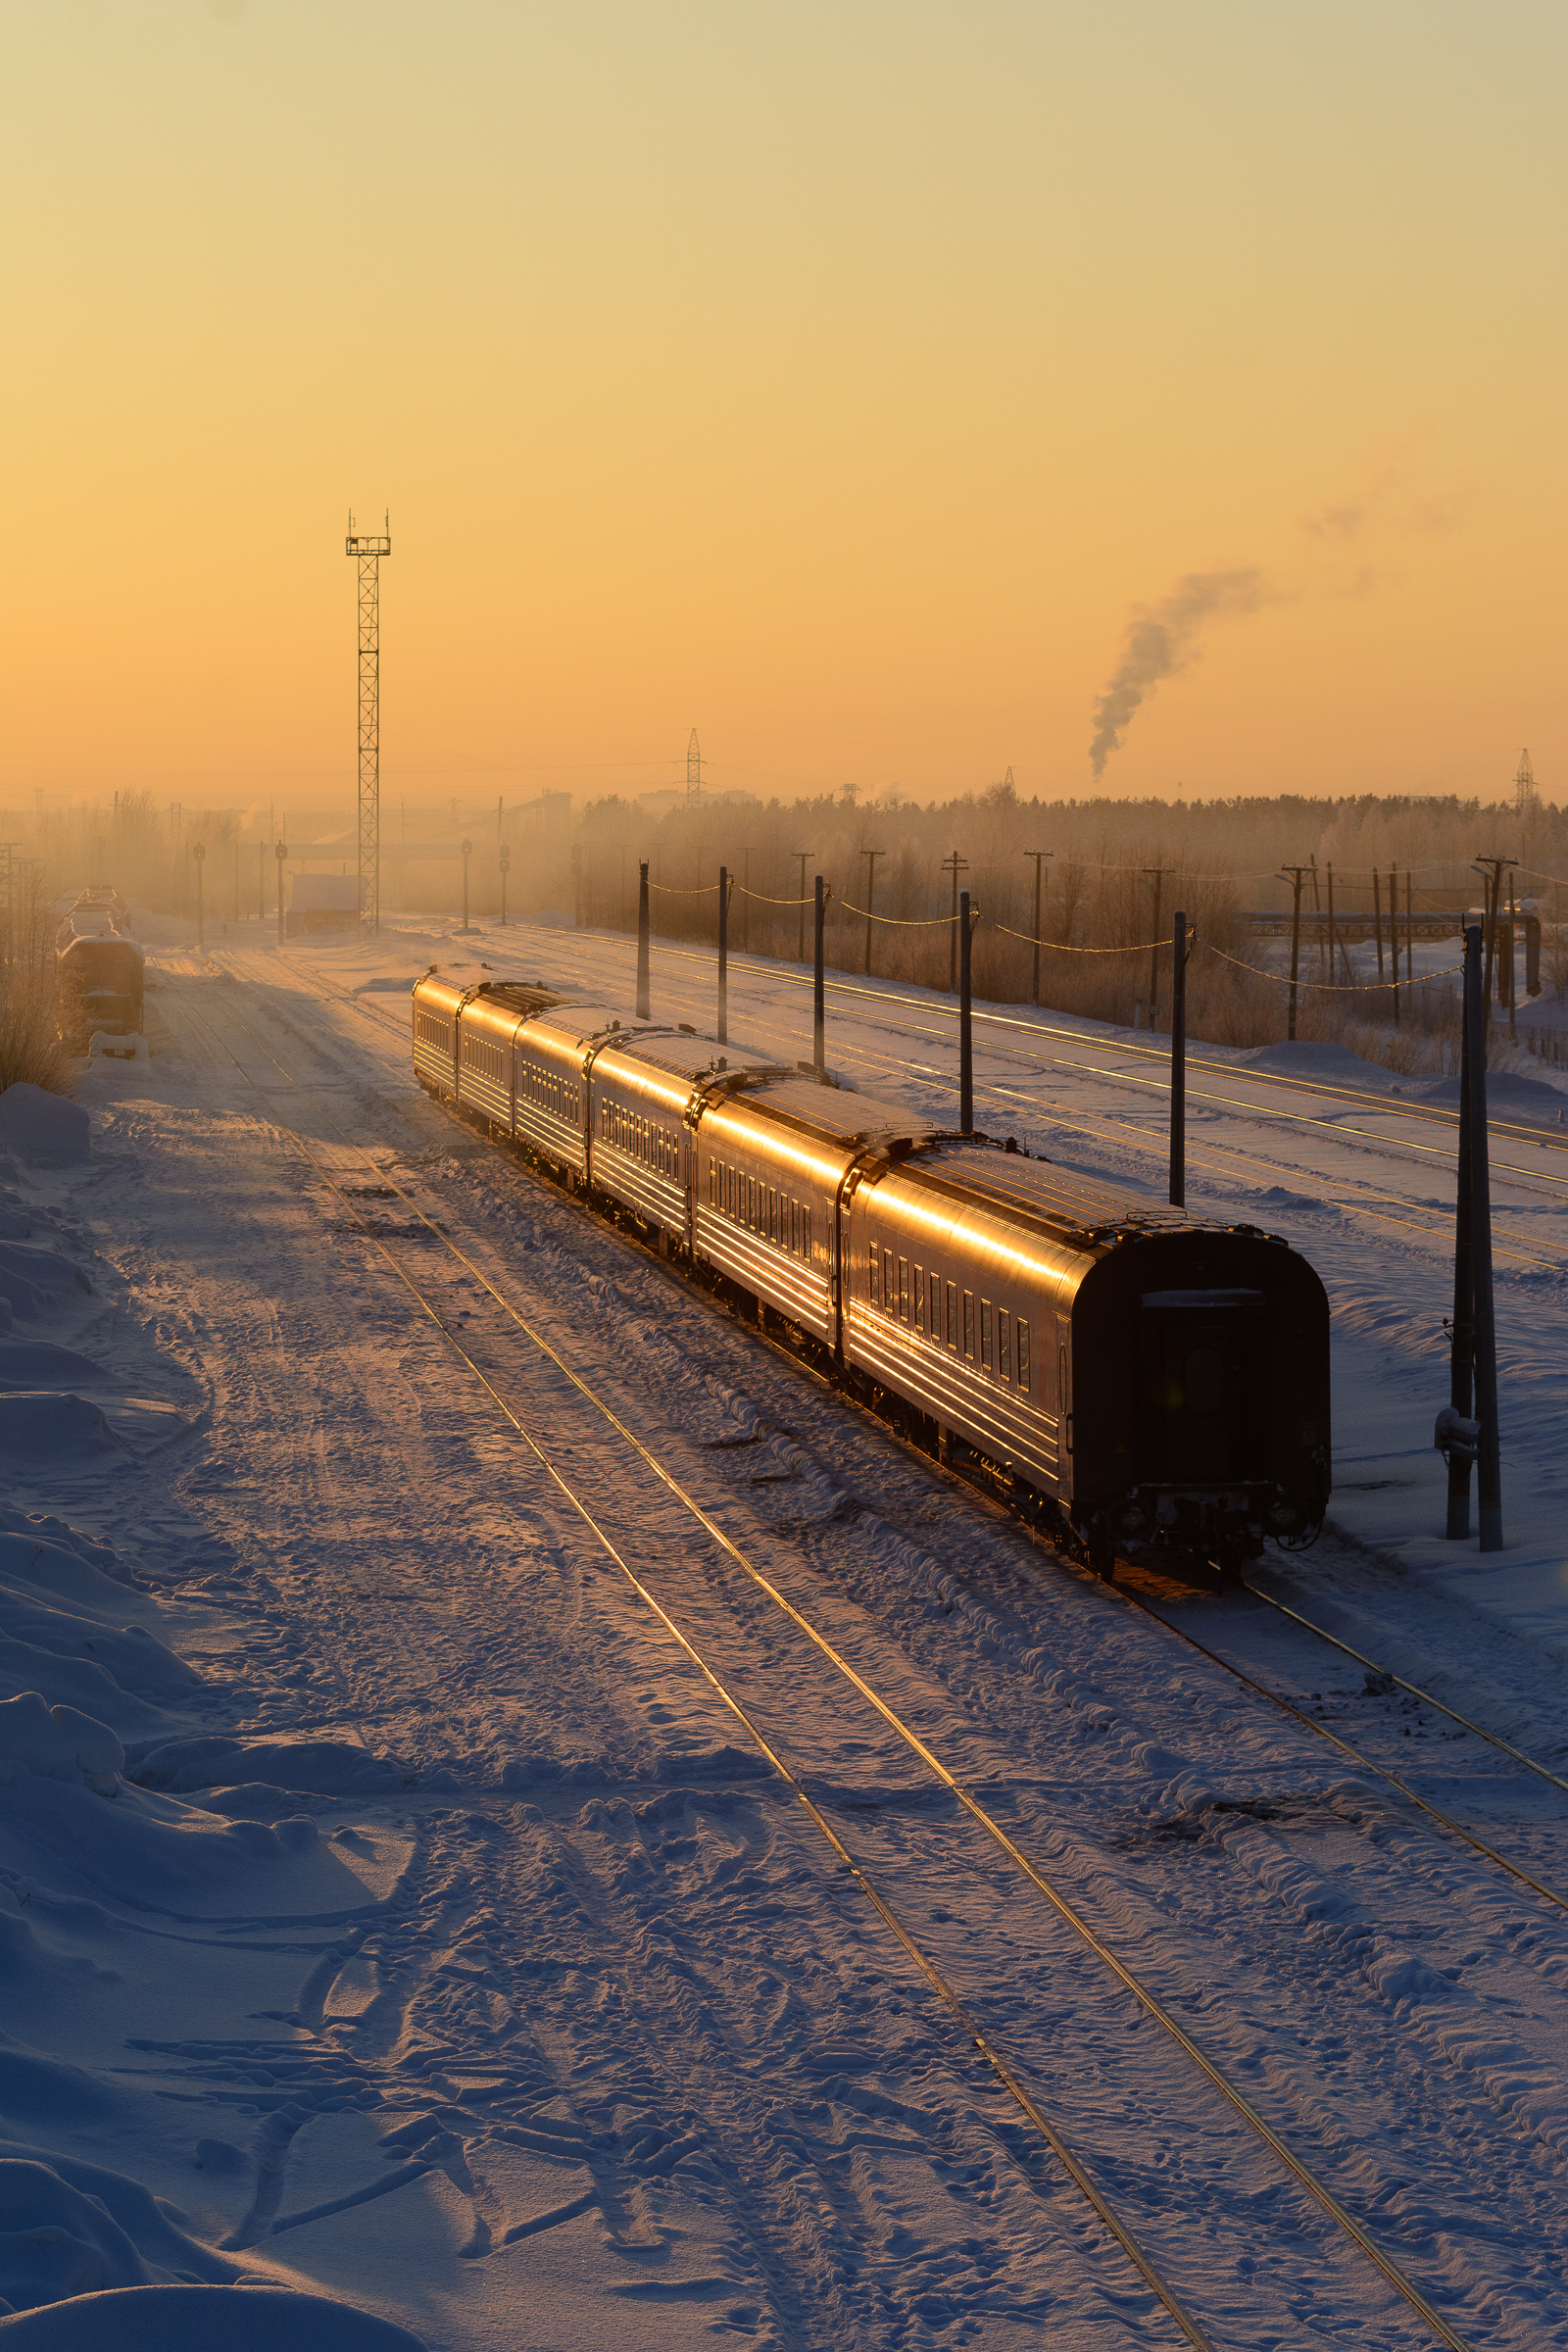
point(875, 1262)
point(953, 1317)
point(968, 1325)
point(1003, 1345)
point(920, 1298)
point(985, 1334)
point(773, 1214)
point(904, 1290)
point(806, 1233)
point(890, 1296)
point(795, 1229)
point(1023, 1353)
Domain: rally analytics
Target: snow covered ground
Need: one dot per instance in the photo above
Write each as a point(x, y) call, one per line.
point(392, 1914)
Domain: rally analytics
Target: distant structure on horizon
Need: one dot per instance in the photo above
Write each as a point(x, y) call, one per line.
point(367, 549)
point(694, 771)
point(1524, 786)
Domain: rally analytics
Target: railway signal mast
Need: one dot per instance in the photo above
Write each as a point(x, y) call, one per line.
point(368, 547)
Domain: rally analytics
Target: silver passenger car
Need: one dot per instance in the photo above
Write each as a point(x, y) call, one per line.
point(645, 1096)
point(772, 1162)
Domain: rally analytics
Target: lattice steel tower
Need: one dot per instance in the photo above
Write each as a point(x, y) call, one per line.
point(694, 771)
point(369, 547)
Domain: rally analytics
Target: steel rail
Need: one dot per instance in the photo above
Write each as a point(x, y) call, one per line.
point(940, 1984)
point(1492, 1737)
point(1515, 1870)
point(1149, 2001)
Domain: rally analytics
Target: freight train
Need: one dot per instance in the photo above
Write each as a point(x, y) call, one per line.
point(1152, 1385)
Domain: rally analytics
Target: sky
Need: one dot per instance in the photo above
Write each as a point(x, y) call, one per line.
point(893, 393)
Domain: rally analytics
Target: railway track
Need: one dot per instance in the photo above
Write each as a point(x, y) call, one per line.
point(977, 1813)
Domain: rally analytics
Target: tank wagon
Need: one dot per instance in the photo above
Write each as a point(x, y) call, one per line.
point(1156, 1384)
point(98, 971)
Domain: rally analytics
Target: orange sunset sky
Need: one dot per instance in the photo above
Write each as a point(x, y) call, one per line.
point(837, 378)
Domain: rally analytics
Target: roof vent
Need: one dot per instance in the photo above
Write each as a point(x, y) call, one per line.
point(723, 1062)
point(685, 1028)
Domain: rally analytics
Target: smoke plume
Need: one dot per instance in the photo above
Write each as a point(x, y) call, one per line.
point(1162, 641)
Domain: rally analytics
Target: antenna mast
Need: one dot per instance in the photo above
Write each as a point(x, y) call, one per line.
point(1524, 785)
point(368, 547)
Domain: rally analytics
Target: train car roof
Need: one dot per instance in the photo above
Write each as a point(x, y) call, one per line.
point(1081, 1208)
point(686, 1054)
point(836, 1116)
point(590, 1024)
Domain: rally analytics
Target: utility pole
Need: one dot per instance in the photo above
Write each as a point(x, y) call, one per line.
point(1317, 909)
point(1294, 875)
point(1178, 1064)
point(1488, 1484)
point(367, 549)
point(1513, 1029)
point(723, 954)
point(965, 1028)
point(1463, 1332)
point(1377, 927)
point(504, 861)
point(199, 852)
point(953, 865)
point(819, 993)
point(281, 852)
point(1039, 856)
point(1492, 868)
point(745, 902)
point(1333, 935)
point(1156, 874)
point(642, 940)
point(870, 857)
point(801, 855)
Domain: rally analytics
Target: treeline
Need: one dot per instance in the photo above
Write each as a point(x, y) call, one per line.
point(1111, 874)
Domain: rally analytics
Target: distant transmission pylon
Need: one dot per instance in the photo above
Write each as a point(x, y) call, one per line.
point(694, 770)
point(1524, 785)
point(369, 547)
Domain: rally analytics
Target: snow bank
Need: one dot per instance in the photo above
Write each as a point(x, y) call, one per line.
point(58, 1743)
point(39, 1364)
point(1308, 1058)
point(313, 1767)
point(50, 1429)
point(42, 1129)
point(1508, 1097)
point(90, 2260)
point(198, 2318)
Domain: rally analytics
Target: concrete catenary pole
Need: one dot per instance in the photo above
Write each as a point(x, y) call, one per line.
point(819, 993)
point(1489, 1481)
point(1178, 1063)
point(966, 1025)
point(643, 1013)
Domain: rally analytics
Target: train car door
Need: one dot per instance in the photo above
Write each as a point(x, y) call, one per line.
point(1202, 1385)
